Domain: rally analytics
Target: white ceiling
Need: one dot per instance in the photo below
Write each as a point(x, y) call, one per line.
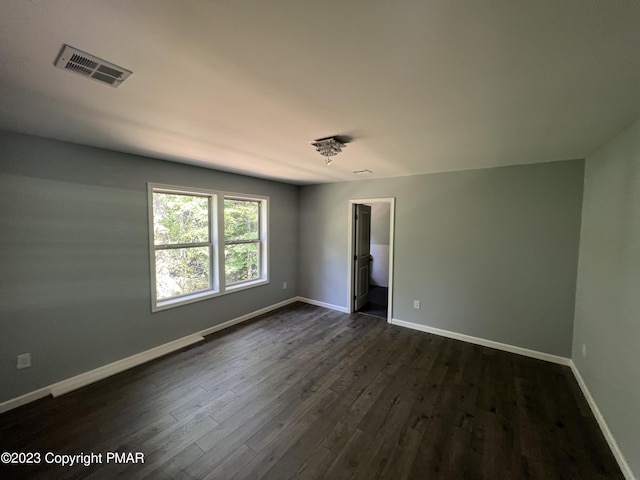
point(421, 85)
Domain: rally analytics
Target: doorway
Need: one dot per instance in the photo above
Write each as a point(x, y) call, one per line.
point(371, 235)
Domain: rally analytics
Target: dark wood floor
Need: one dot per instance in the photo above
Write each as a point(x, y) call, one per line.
point(377, 303)
point(311, 393)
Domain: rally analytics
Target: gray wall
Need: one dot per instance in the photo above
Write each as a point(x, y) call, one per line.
point(74, 257)
point(607, 317)
point(490, 253)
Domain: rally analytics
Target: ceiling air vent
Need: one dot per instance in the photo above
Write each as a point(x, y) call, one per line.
point(90, 66)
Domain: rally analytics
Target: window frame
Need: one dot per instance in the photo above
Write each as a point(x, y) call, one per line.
point(217, 277)
point(259, 240)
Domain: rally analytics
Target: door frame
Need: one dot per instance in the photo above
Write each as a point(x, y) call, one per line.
point(351, 234)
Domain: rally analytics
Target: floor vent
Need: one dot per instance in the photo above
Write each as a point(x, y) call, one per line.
point(90, 66)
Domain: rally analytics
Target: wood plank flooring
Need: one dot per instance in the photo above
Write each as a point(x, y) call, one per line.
point(309, 393)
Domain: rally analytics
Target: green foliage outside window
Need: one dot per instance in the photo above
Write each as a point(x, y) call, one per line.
point(181, 220)
point(184, 250)
point(242, 240)
point(181, 271)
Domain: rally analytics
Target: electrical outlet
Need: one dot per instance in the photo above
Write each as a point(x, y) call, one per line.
point(584, 349)
point(284, 285)
point(416, 304)
point(24, 361)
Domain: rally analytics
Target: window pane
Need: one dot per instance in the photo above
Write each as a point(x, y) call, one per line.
point(181, 270)
point(241, 262)
point(241, 220)
point(180, 219)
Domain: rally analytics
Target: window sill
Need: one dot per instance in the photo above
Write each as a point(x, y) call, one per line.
point(177, 302)
point(197, 297)
point(245, 285)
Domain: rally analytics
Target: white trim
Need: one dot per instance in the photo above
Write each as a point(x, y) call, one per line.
point(392, 234)
point(24, 399)
point(263, 241)
point(613, 445)
point(236, 287)
point(318, 303)
point(350, 233)
point(216, 245)
point(248, 316)
point(213, 289)
point(183, 300)
point(86, 378)
point(484, 342)
point(118, 366)
point(113, 368)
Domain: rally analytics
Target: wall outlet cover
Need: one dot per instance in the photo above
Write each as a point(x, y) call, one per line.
point(24, 360)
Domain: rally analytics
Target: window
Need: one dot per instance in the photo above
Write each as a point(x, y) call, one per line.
point(204, 243)
point(183, 247)
point(242, 242)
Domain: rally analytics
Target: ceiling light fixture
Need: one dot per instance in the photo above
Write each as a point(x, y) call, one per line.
point(329, 147)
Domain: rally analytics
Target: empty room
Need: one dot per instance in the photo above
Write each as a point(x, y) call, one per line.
point(307, 240)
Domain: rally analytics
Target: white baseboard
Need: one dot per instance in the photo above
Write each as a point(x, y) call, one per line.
point(248, 316)
point(624, 466)
point(86, 378)
point(484, 342)
point(24, 399)
point(613, 445)
point(118, 366)
point(105, 371)
point(318, 303)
